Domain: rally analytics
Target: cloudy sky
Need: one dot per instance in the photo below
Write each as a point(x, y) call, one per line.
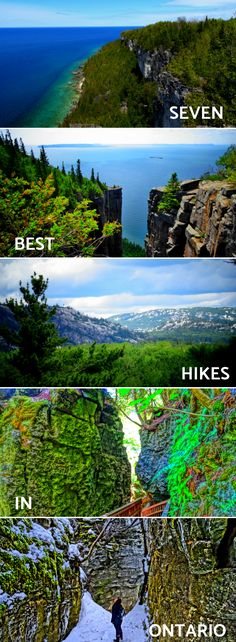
point(123, 136)
point(102, 287)
point(73, 13)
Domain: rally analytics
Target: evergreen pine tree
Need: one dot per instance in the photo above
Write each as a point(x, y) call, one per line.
point(43, 157)
point(37, 336)
point(79, 174)
point(72, 173)
point(22, 147)
point(92, 178)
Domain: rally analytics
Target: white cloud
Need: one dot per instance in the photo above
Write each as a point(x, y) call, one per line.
point(105, 306)
point(74, 270)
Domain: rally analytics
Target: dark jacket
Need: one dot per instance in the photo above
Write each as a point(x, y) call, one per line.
point(117, 613)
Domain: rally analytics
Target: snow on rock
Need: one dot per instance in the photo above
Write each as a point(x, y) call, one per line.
point(95, 624)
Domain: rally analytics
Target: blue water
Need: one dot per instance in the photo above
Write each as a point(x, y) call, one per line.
point(137, 169)
point(36, 68)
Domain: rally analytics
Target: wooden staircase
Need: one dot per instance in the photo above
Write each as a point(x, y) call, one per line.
point(139, 508)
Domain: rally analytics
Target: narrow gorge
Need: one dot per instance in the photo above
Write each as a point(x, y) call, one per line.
point(89, 452)
point(59, 578)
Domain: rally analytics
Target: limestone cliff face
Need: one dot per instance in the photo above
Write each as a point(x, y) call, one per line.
point(109, 207)
point(170, 91)
point(203, 225)
point(116, 565)
point(192, 575)
point(65, 450)
point(40, 589)
point(152, 465)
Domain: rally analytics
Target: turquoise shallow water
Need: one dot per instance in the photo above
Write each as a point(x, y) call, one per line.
point(36, 68)
point(137, 169)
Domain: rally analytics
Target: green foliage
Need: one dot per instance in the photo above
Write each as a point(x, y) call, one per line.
point(200, 452)
point(227, 167)
point(227, 164)
point(114, 92)
point(36, 337)
point(201, 477)
point(132, 249)
point(144, 364)
point(39, 200)
point(171, 198)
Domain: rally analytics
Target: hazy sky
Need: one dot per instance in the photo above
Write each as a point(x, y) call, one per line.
point(102, 287)
point(118, 12)
point(116, 136)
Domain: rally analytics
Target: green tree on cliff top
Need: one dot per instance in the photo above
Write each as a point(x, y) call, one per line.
point(170, 199)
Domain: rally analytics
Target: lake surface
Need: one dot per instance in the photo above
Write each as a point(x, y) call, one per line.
point(137, 169)
point(36, 67)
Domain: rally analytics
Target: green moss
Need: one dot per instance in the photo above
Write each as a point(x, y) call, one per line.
point(70, 460)
point(201, 476)
point(36, 569)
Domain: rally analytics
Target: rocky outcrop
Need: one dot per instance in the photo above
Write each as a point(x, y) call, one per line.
point(109, 208)
point(152, 465)
point(65, 450)
point(170, 91)
point(40, 588)
point(203, 225)
point(116, 565)
point(192, 575)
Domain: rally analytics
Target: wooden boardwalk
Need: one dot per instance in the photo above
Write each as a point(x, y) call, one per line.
point(139, 508)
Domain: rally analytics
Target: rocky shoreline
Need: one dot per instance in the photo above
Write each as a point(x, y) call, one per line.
point(77, 82)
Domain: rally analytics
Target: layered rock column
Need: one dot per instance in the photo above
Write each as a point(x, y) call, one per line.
point(203, 225)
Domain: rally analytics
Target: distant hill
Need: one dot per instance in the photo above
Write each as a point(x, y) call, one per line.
point(78, 328)
point(185, 324)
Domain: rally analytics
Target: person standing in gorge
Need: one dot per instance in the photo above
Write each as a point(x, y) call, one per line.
point(117, 614)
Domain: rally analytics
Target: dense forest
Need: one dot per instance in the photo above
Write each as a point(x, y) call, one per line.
point(174, 457)
point(116, 94)
point(38, 200)
point(33, 353)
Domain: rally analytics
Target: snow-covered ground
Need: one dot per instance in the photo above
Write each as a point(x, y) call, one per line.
point(95, 624)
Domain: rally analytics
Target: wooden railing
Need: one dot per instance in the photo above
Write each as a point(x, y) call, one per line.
point(155, 510)
point(139, 508)
point(132, 509)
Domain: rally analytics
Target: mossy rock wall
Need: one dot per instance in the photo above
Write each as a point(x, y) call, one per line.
point(201, 475)
point(185, 583)
point(66, 452)
point(40, 589)
point(190, 458)
point(152, 466)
